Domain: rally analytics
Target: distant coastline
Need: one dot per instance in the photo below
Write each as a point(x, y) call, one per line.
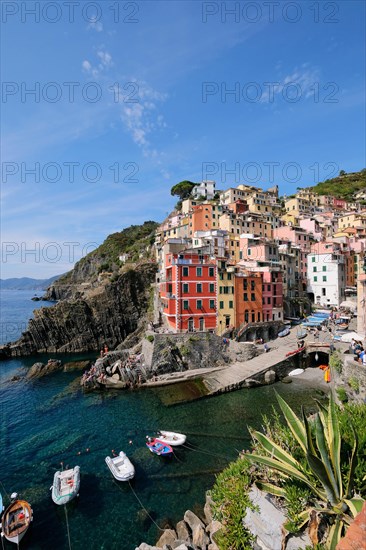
point(26, 283)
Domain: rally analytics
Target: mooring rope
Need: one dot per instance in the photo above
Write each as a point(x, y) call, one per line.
point(67, 526)
point(142, 506)
point(197, 450)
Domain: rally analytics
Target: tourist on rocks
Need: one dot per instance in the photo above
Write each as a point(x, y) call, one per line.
point(105, 349)
point(266, 348)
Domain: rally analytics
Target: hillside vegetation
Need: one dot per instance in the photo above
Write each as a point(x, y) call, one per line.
point(343, 186)
point(135, 241)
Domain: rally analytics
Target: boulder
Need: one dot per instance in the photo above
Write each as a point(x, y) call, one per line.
point(200, 538)
point(192, 520)
point(168, 537)
point(270, 377)
point(77, 365)
point(356, 533)
point(183, 530)
point(208, 509)
point(144, 546)
point(213, 527)
point(40, 369)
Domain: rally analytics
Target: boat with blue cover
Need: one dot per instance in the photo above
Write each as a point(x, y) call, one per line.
point(158, 447)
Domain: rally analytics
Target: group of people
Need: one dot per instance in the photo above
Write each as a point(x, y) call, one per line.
point(357, 348)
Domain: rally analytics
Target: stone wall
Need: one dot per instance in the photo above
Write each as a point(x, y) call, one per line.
point(351, 379)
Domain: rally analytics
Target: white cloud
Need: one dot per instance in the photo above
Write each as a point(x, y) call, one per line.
point(96, 26)
point(298, 84)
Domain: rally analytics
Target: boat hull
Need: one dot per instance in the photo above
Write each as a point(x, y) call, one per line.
point(120, 467)
point(16, 521)
point(66, 485)
point(173, 439)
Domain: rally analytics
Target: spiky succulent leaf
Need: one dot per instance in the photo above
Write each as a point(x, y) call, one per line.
point(335, 444)
point(271, 489)
point(287, 470)
point(319, 470)
point(335, 534)
point(324, 453)
point(355, 505)
point(294, 423)
point(275, 450)
point(353, 464)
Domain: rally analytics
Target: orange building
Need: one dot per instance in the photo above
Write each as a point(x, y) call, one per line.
point(202, 218)
point(248, 298)
point(188, 291)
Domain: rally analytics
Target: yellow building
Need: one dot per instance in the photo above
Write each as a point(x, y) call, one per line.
point(225, 296)
point(352, 219)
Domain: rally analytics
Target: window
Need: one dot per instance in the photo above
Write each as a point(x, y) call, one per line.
point(245, 284)
point(324, 278)
point(249, 251)
point(229, 276)
point(269, 288)
point(221, 305)
point(253, 317)
point(185, 304)
point(211, 271)
point(199, 287)
point(245, 297)
point(258, 316)
point(324, 268)
point(185, 271)
point(212, 304)
point(199, 271)
point(231, 304)
point(212, 287)
point(199, 304)
point(268, 300)
point(315, 278)
point(185, 288)
point(252, 285)
point(252, 297)
point(324, 291)
point(314, 269)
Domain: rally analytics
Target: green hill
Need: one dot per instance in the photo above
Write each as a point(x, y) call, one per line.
point(343, 186)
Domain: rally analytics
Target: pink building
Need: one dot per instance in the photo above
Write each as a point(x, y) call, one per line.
point(299, 237)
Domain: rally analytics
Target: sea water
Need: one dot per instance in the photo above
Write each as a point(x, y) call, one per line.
point(51, 421)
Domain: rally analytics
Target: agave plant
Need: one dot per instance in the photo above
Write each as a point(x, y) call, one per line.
point(332, 492)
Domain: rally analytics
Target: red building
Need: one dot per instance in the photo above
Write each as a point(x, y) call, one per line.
point(188, 291)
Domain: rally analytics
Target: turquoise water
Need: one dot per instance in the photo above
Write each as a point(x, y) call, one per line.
point(51, 420)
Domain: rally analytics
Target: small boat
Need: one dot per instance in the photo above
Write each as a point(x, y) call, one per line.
point(17, 519)
point(158, 447)
point(66, 485)
point(171, 438)
point(1, 505)
point(121, 467)
point(284, 332)
point(295, 372)
point(301, 334)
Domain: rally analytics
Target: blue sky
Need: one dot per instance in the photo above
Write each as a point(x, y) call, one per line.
point(132, 97)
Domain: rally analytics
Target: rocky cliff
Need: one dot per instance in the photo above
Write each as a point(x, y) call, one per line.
point(106, 314)
point(101, 301)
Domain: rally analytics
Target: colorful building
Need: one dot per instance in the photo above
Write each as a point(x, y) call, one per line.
point(188, 291)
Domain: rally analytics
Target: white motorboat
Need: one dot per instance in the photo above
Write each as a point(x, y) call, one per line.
point(16, 521)
point(66, 485)
point(171, 438)
point(121, 467)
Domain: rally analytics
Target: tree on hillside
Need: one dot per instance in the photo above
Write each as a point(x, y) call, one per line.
point(342, 173)
point(183, 189)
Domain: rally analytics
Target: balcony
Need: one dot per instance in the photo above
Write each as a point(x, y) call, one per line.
point(170, 296)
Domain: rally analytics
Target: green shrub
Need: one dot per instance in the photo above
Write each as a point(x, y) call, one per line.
point(335, 362)
point(297, 498)
point(342, 395)
point(354, 383)
point(184, 350)
point(230, 495)
point(149, 338)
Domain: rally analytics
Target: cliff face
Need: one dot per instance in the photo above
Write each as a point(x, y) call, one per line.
point(104, 314)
